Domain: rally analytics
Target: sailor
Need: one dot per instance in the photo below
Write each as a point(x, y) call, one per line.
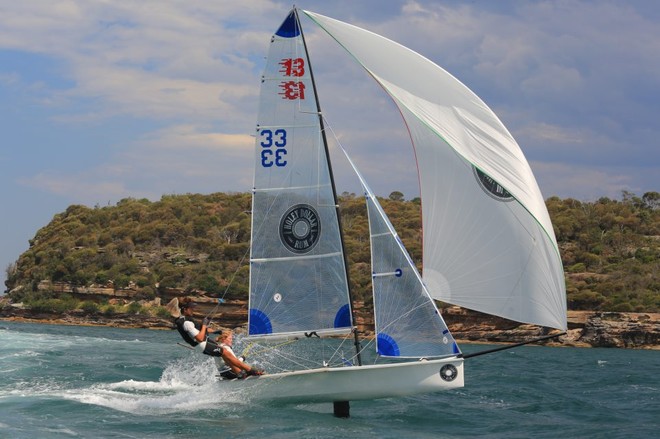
point(196, 335)
point(229, 370)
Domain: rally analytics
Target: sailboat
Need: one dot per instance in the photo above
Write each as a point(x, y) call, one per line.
point(488, 242)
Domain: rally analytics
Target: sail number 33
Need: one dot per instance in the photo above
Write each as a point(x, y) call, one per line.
point(273, 145)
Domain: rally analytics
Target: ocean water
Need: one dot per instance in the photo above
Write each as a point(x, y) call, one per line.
point(81, 382)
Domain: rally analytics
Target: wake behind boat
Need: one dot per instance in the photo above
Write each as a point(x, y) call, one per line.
point(488, 241)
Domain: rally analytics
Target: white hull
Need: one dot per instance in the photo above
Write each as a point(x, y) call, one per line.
point(351, 383)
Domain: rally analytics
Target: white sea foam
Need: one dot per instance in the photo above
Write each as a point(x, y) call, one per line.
point(62, 431)
point(183, 387)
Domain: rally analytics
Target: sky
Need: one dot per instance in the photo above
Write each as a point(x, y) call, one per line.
point(106, 100)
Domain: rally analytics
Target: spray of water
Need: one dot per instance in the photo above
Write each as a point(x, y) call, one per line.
point(184, 386)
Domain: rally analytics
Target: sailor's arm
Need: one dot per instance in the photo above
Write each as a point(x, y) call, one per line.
point(201, 335)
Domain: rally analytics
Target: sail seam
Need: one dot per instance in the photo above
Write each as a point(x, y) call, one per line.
point(289, 126)
point(392, 273)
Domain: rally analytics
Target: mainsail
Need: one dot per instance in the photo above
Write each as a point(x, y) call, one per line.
point(489, 244)
point(298, 279)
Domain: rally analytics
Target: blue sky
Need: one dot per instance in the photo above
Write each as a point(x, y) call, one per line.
point(101, 101)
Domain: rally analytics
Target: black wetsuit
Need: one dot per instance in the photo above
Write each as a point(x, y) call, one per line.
point(211, 348)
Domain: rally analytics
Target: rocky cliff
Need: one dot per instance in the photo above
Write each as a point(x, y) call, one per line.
point(585, 328)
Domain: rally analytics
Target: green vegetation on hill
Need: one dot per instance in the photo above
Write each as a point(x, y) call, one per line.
point(611, 251)
point(610, 248)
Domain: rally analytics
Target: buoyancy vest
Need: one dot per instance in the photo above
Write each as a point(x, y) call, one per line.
point(184, 334)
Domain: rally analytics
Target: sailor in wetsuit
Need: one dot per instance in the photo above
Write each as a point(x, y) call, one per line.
point(193, 333)
point(196, 334)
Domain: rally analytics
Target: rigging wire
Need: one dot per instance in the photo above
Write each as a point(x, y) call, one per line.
point(221, 299)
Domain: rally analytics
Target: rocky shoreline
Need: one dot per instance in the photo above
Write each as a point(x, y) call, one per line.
point(585, 328)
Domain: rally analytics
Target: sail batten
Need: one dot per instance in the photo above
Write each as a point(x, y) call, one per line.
point(291, 188)
point(298, 258)
point(291, 126)
point(297, 335)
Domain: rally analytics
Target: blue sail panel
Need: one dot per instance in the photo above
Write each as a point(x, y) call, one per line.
point(289, 28)
point(259, 323)
point(387, 346)
point(343, 317)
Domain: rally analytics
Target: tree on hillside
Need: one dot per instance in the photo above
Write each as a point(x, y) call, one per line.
point(396, 196)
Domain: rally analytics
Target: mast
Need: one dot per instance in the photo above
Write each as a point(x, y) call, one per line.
point(356, 339)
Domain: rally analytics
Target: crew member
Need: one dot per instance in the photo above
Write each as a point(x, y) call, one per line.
point(230, 370)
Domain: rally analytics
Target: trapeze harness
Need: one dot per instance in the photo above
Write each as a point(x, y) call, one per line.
point(208, 347)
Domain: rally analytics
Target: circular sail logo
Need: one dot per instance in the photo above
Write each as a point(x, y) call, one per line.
point(300, 228)
point(492, 188)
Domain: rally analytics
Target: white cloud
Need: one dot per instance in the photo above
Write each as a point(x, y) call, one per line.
point(176, 159)
point(187, 137)
point(554, 133)
point(9, 78)
point(154, 60)
point(150, 95)
point(82, 188)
